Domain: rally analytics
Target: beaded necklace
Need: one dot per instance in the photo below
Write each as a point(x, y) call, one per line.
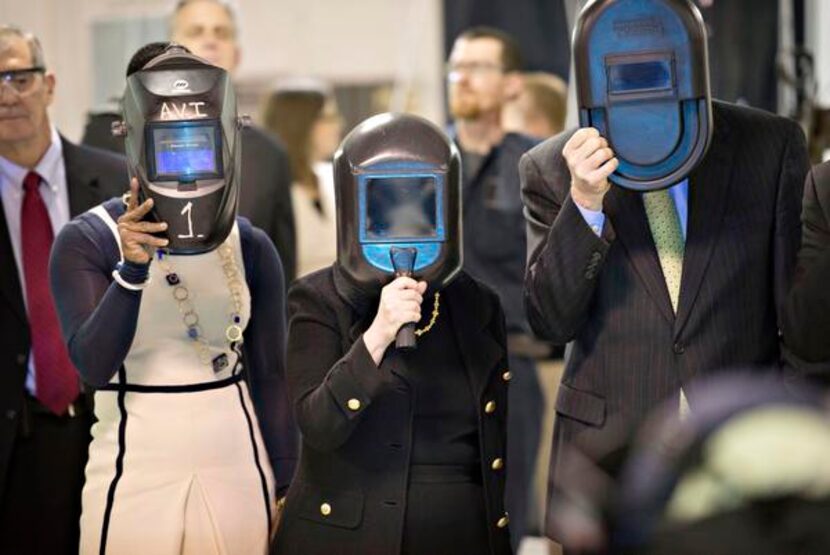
point(190, 318)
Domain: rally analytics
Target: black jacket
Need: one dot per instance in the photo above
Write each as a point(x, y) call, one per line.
point(92, 176)
point(356, 419)
point(494, 227)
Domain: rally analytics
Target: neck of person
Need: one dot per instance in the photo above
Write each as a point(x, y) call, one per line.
point(481, 134)
point(27, 153)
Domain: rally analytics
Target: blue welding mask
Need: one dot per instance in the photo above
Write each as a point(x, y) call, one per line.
point(642, 80)
point(398, 189)
point(182, 142)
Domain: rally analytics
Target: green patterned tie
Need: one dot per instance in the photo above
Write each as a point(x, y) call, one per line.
point(668, 238)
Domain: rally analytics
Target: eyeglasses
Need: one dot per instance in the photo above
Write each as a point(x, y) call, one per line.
point(20, 80)
point(474, 69)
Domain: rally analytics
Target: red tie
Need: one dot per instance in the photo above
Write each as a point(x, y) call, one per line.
point(55, 378)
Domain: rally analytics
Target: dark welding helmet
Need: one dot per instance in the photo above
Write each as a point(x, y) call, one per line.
point(741, 474)
point(642, 80)
point(183, 145)
point(397, 183)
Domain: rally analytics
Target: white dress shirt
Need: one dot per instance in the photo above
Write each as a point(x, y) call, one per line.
point(55, 194)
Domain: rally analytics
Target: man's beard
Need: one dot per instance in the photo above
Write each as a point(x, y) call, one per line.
point(464, 106)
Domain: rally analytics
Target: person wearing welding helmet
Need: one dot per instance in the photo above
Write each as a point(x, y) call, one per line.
point(397, 365)
point(172, 308)
point(662, 234)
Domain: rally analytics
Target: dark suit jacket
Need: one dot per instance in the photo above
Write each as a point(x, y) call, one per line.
point(494, 227)
point(92, 176)
point(358, 460)
point(265, 198)
point(807, 318)
point(607, 295)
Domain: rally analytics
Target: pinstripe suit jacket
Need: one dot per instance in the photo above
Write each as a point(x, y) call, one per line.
point(607, 295)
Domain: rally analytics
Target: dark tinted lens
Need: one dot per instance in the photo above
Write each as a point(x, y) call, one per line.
point(401, 207)
point(640, 77)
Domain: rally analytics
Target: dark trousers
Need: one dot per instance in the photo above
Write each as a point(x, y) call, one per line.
point(525, 411)
point(41, 506)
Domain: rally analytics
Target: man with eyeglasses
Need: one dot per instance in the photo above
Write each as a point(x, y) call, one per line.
point(44, 413)
point(482, 76)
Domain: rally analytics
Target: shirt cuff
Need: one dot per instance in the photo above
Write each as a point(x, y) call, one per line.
point(133, 273)
point(594, 218)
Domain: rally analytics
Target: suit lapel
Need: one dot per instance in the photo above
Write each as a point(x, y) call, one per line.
point(9, 280)
point(470, 321)
point(708, 193)
point(81, 180)
point(628, 217)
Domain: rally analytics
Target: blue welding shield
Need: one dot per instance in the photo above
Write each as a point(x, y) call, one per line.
point(398, 190)
point(642, 80)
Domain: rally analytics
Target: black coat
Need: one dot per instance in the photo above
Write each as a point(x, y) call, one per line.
point(807, 318)
point(92, 176)
point(608, 295)
point(357, 459)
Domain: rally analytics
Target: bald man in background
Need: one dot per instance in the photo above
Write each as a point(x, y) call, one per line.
point(208, 29)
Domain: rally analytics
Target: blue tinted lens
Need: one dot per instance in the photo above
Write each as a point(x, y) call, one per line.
point(187, 151)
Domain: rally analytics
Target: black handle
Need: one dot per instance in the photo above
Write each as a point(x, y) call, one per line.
point(406, 337)
point(403, 260)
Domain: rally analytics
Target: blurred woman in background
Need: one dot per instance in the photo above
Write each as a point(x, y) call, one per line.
point(303, 114)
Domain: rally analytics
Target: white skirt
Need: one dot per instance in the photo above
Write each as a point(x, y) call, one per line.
point(177, 473)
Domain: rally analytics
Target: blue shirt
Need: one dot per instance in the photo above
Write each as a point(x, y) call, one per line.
point(679, 194)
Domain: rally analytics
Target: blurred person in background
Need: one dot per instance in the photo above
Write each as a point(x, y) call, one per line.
point(539, 110)
point(806, 323)
point(303, 114)
point(483, 74)
point(44, 181)
point(208, 29)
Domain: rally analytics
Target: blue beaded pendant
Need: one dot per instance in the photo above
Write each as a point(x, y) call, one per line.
point(220, 362)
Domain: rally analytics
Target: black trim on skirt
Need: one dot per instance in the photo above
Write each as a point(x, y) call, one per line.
point(119, 461)
point(262, 480)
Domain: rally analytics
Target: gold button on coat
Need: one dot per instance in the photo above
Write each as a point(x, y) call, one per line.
point(353, 404)
point(503, 522)
point(506, 376)
point(490, 407)
point(325, 509)
point(498, 464)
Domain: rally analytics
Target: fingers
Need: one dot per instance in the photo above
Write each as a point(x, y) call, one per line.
point(578, 139)
point(588, 149)
point(133, 194)
point(603, 171)
point(134, 211)
point(132, 238)
point(599, 157)
point(404, 282)
point(143, 227)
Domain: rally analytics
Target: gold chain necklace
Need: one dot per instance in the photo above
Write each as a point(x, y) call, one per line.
point(436, 305)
